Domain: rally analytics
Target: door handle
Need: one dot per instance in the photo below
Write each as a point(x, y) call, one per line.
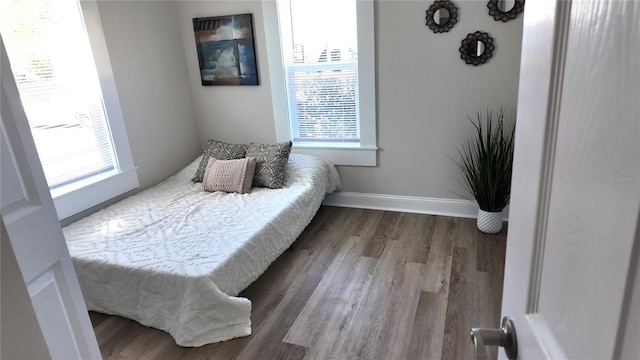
point(504, 337)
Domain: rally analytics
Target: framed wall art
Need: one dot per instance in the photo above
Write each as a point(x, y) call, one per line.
point(226, 50)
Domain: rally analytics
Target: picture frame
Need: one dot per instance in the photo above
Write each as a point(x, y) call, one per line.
point(226, 50)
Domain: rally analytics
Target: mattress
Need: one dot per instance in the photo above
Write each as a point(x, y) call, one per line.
point(174, 257)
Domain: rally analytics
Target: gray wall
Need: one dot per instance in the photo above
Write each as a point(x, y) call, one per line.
point(424, 92)
point(145, 46)
point(229, 113)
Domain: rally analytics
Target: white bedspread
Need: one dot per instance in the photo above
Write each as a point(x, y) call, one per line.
point(174, 257)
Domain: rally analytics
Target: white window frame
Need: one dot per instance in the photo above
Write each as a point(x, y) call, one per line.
point(363, 153)
point(81, 195)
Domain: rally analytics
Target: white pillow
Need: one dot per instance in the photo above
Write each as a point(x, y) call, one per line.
point(229, 175)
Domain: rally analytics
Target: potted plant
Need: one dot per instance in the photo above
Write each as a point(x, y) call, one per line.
point(486, 164)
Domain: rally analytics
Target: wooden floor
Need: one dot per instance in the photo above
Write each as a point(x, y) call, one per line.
point(358, 284)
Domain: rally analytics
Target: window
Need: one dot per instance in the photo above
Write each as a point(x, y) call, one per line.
point(322, 75)
point(75, 120)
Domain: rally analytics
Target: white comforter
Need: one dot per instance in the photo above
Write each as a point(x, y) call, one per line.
point(173, 257)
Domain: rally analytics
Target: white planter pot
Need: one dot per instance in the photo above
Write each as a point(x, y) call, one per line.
point(489, 222)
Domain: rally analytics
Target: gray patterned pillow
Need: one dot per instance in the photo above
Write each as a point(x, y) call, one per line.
point(270, 163)
point(221, 151)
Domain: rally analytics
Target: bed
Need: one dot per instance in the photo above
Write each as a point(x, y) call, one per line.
point(174, 257)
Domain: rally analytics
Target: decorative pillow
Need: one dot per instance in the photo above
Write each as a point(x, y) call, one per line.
point(270, 163)
point(229, 175)
point(221, 151)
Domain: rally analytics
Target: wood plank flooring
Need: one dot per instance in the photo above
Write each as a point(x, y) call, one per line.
point(357, 284)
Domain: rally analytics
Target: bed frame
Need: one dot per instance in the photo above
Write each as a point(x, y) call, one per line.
point(174, 257)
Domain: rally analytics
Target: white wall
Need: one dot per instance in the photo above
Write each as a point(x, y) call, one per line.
point(424, 92)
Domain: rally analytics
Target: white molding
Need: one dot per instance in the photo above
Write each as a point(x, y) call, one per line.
point(366, 72)
point(355, 156)
point(276, 70)
point(84, 194)
point(110, 97)
point(365, 153)
point(73, 202)
point(412, 204)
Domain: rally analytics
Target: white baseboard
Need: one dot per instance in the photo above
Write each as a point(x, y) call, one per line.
point(412, 204)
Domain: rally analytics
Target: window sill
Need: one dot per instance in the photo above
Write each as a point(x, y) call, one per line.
point(74, 198)
point(341, 155)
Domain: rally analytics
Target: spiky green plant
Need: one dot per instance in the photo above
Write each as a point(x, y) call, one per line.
point(487, 160)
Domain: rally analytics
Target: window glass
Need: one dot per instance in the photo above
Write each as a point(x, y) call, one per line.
point(81, 143)
point(320, 57)
point(55, 73)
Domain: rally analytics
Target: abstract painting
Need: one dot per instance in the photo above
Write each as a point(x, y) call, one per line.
point(226, 51)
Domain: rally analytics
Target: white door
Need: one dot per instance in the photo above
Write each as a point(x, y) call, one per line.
point(573, 244)
point(35, 235)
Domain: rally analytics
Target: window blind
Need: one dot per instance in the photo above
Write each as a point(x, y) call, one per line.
point(55, 73)
point(320, 56)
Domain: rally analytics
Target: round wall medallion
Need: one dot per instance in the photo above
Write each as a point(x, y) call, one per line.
point(441, 16)
point(505, 10)
point(477, 48)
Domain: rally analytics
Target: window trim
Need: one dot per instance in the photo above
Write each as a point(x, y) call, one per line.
point(360, 154)
point(82, 195)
